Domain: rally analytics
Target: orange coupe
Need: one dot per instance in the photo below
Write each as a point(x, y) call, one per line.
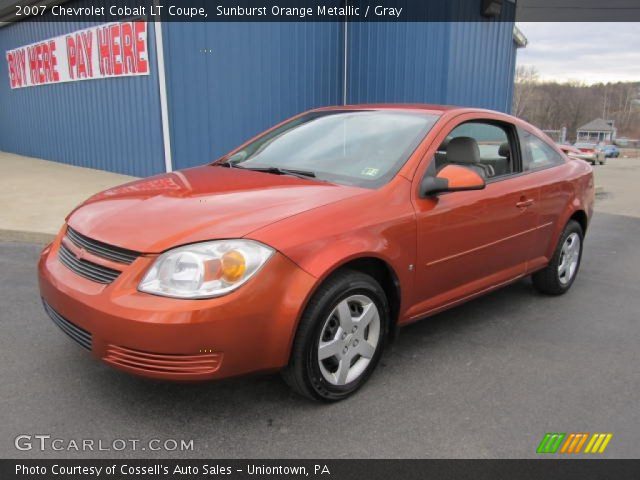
point(307, 247)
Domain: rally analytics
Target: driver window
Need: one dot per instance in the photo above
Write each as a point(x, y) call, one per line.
point(483, 147)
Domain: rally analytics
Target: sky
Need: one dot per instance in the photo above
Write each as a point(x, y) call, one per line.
point(588, 52)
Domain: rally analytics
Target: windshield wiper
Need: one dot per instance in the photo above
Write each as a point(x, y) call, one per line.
point(274, 170)
point(281, 171)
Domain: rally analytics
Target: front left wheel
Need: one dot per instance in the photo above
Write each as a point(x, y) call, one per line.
point(340, 338)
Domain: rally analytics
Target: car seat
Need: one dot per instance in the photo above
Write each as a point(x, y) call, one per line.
point(465, 151)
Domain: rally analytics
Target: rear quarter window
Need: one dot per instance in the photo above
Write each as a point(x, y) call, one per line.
point(538, 153)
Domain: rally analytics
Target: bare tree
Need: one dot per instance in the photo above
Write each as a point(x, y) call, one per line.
point(552, 105)
point(526, 81)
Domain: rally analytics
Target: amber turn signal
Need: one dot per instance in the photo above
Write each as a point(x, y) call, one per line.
point(233, 266)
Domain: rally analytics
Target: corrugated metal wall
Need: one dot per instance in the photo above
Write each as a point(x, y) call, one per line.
point(397, 62)
point(469, 63)
point(227, 82)
point(481, 65)
point(111, 124)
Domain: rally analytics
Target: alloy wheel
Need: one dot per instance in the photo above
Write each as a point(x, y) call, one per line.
point(569, 258)
point(349, 339)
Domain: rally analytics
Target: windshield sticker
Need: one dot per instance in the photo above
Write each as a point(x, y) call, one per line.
point(370, 172)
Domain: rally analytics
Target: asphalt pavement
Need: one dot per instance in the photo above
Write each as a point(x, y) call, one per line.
point(485, 380)
point(617, 186)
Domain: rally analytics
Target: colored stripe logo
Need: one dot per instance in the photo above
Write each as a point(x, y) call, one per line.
point(550, 443)
point(598, 443)
point(574, 442)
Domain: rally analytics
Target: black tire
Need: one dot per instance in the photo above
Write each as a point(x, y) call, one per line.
point(548, 280)
point(303, 372)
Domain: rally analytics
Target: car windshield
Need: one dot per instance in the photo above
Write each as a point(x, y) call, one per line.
point(364, 148)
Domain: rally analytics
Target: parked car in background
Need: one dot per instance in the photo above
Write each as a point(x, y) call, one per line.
point(305, 248)
point(590, 152)
point(610, 151)
point(569, 150)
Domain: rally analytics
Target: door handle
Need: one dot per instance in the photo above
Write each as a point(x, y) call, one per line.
point(524, 203)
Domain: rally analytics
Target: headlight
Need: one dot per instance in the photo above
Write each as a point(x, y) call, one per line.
point(205, 270)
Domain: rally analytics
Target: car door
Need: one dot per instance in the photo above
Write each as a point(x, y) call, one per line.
point(471, 241)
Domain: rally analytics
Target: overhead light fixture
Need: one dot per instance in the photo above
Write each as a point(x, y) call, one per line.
point(491, 8)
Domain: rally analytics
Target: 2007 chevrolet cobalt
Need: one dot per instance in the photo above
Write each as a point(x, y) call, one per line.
point(305, 248)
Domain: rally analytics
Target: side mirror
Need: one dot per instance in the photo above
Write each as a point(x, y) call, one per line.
point(452, 178)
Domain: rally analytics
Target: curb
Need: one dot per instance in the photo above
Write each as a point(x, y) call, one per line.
point(26, 236)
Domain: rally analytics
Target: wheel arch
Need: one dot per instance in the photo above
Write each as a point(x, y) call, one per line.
point(386, 276)
point(379, 269)
point(575, 210)
point(580, 216)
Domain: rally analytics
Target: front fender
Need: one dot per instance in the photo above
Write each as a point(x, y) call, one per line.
point(380, 225)
point(323, 257)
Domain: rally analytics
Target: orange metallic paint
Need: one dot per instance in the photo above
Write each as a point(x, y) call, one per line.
point(198, 204)
point(461, 178)
point(442, 250)
point(251, 327)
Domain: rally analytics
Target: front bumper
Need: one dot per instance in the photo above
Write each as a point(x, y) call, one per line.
point(248, 330)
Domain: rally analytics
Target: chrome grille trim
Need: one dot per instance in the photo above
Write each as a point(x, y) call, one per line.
point(85, 268)
point(100, 249)
point(81, 336)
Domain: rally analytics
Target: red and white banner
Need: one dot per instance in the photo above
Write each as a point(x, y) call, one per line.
point(109, 50)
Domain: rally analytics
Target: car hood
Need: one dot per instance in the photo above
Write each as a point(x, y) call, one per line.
point(198, 204)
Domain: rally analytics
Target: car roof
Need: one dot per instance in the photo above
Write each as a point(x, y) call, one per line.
point(433, 109)
point(428, 108)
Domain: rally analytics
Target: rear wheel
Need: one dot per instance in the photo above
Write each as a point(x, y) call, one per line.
point(558, 276)
point(340, 338)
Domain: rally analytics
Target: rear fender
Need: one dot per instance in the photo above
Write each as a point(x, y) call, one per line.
point(583, 202)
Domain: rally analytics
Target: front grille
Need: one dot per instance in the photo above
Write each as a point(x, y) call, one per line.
point(163, 363)
point(81, 336)
point(85, 268)
point(115, 254)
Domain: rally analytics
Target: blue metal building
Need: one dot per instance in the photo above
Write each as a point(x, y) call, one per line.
point(212, 86)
